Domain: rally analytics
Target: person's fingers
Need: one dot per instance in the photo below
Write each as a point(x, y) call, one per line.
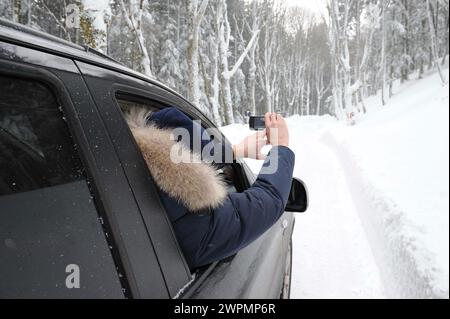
point(273, 117)
point(267, 119)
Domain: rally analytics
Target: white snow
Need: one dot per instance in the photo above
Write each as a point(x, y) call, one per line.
point(378, 222)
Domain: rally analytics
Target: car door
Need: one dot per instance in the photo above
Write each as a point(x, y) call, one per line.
point(257, 271)
point(112, 240)
point(104, 86)
point(53, 241)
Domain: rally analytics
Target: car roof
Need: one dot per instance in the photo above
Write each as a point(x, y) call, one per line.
point(28, 37)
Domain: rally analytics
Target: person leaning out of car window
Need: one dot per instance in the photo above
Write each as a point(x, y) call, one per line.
point(210, 223)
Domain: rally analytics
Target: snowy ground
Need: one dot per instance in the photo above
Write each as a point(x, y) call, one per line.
point(378, 222)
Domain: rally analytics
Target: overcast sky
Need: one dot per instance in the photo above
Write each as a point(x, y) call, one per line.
point(316, 6)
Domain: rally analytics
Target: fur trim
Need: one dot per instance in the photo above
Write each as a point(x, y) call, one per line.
point(194, 184)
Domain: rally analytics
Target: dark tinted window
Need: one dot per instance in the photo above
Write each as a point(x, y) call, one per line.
point(35, 148)
point(48, 220)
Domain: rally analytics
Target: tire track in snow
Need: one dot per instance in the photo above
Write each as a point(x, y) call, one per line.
point(394, 251)
point(332, 255)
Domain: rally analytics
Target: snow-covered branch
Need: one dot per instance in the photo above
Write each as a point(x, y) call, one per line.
point(229, 74)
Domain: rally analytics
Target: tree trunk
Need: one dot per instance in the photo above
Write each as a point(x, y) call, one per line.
point(383, 52)
point(433, 42)
point(195, 16)
point(252, 66)
point(135, 26)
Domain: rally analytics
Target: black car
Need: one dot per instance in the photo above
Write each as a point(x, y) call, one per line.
point(80, 216)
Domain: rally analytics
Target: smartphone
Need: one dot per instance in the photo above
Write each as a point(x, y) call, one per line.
point(257, 123)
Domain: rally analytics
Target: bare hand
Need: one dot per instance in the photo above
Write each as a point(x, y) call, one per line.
point(277, 130)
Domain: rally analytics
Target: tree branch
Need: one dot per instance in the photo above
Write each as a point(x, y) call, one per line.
point(241, 59)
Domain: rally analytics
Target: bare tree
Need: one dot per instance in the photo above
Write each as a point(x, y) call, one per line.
point(227, 72)
point(430, 8)
point(267, 66)
point(384, 4)
point(196, 11)
point(133, 13)
point(344, 89)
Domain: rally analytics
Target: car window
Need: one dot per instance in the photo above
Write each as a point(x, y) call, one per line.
point(126, 105)
point(225, 171)
point(49, 225)
point(35, 147)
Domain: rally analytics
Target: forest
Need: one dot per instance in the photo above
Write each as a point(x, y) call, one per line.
point(235, 57)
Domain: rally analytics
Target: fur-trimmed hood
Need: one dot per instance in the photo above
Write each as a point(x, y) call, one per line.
point(193, 183)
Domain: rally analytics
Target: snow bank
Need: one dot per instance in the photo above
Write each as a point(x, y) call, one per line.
point(398, 159)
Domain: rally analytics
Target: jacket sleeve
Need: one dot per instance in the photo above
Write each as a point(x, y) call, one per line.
point(246, 216)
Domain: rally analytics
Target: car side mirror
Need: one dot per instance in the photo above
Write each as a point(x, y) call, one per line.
point(298, 197)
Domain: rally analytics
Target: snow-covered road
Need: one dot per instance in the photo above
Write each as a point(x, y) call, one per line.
point(332, 254)
point(329, 241)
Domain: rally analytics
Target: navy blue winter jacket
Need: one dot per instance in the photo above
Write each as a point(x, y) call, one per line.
point(209, 236)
